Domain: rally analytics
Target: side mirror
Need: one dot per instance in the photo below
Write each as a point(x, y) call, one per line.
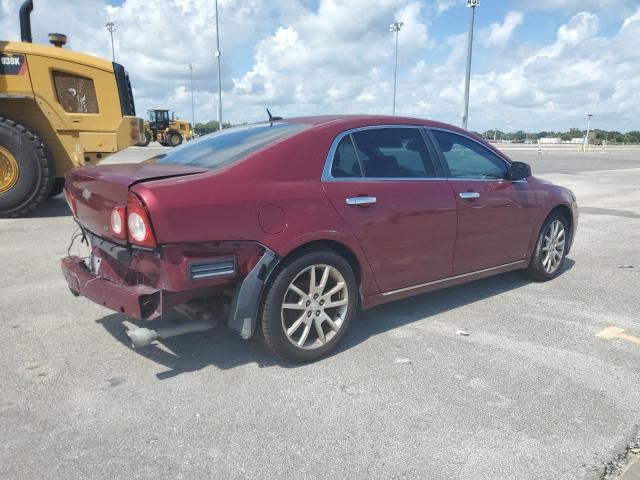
point(519, 171)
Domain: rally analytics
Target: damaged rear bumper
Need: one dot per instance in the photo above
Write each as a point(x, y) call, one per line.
point(137, 301)
point(145, 302)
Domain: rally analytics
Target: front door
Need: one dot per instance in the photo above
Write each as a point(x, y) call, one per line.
point(495, 215)
point(383, 183)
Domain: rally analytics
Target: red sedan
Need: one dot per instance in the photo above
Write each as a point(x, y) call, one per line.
point(288, 228)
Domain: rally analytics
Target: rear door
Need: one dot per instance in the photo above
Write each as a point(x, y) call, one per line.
point(384, 183)
point(495, 215)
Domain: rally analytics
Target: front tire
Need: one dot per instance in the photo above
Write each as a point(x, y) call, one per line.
point(27, 172)
point(309, 303)
point(146, 141)
point(174, 139)
point(551, 249)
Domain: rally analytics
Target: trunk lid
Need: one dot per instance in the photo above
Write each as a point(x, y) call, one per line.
point(97, 190)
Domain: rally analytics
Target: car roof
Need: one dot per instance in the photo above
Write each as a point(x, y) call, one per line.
point(337, 123)
point(354, 121)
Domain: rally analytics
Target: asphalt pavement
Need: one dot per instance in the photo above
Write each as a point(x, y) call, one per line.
point(536, 391)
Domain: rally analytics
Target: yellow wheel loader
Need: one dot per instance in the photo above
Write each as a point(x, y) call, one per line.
point(167, 131)
point(59, 109)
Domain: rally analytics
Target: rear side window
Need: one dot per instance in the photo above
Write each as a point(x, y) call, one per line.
point(468, 159)
point(228, 146)
point(345, 160)
point(393, 153)
point(76, 94)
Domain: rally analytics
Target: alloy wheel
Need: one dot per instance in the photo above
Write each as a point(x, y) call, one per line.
point(315, 306)
point(553, 243)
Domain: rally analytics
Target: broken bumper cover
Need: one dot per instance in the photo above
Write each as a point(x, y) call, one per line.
point(143, 302)
point(136, 301)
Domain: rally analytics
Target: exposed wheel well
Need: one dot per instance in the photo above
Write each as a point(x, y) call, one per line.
point(566, 212)
point(339, 248)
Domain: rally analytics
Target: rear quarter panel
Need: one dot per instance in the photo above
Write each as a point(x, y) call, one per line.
point(274, 197)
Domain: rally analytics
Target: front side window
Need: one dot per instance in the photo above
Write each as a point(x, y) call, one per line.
point(76, 94)
point(468, 159)
point(393, 153)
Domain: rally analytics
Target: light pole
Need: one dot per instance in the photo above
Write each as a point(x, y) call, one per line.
point(193, 115)
point(218, 54)
point(111, 27)
point(395, 28)
point(586, 137)
point(472, 4)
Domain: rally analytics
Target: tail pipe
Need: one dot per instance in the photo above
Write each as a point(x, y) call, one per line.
point(25, 21)
point(141, 337)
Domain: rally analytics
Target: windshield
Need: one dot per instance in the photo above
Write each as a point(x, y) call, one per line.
point(228, 146)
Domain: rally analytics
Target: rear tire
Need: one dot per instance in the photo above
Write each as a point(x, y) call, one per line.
point(22, 150)
point(301, 323)
point(551, 249)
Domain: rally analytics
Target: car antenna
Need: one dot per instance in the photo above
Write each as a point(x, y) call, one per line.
point(272, 118)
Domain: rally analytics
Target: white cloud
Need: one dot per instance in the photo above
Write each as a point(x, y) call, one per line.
point(329, 59)
point(581, 26)
point(444, 5)
point(499, 34)
point(612, 8)
point(414, 33)
point(337, 57)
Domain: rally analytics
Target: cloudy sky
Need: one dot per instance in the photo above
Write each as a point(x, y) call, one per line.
point(538, 64)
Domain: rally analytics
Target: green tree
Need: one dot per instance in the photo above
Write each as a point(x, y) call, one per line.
point(632, 137)
point(209, 127)
point(520, 136)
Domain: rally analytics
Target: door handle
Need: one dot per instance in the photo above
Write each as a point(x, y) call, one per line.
point(469, 195)
point(361, 201)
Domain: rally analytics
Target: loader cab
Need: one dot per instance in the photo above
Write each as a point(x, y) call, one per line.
point(158, 119)
point(59, 109)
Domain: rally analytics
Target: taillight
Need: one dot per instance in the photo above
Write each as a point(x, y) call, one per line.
point(138, 223)
point(118, 216)
point(71, 202)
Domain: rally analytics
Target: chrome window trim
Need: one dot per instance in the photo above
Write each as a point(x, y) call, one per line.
point(328, 163)
point(455, 277)
point(498, 180)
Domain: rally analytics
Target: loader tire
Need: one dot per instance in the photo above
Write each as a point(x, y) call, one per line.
point(174, 139)
point(27, 172)
point(58, 187)
point(145, 142)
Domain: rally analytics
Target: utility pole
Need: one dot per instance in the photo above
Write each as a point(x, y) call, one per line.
point(472, 4)
point(111, 27)
point(218, 54)
point(395, 28)
point(586, 137)
point(193, 115)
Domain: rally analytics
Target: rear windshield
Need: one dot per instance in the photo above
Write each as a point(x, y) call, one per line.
point(228, 146)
